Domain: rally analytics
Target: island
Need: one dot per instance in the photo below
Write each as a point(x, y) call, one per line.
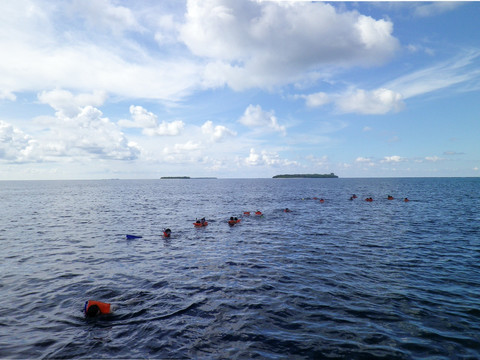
point(174, 177)
point(293, 176)
point(184, 177)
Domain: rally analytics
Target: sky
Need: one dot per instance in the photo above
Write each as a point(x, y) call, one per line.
point(101, 89)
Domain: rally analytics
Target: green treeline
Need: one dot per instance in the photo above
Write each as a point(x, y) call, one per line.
point(290, 176)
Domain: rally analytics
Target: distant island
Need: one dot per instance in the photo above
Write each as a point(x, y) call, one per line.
point(292, 176)
point(184, 177)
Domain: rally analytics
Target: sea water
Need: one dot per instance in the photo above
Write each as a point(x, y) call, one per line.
point(339, 279)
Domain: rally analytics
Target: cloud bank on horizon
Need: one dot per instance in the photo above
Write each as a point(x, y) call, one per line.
point(104, 88)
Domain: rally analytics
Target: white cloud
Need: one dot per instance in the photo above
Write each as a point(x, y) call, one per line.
point(148, 122)
point(380, 101)
point(104, 14)
point(7, 95)
point(266, 158)
point(188, 152)
point(318, 161)
point(365, 161)
point(255, 117)
point(269, 43)
point(15, 145)
point(391, 96)
point(317, 99)
point(89, 134)
point(48, 48)
point(392, 159)
point(68, 104)
point(452, 72)
point(435, 8)
point(216, 133)
point(433, 158)
point(86, 135)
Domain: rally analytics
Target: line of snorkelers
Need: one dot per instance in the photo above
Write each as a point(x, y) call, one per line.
point(370, 199)
point(234, 220)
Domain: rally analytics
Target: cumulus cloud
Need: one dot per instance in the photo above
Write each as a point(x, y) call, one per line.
point(148, 122)
point(364, 161)
point(266, 158)
point(267, 43)
point(380, 101)
point(182, 152)
point(15, 145)
point(69, 105)
point(255, 117)
point(216, 133)
point(92, 135)
point(86, 135)
point(392, 159)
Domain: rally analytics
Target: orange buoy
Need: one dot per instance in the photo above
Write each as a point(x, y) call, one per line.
point(246, 213)
point(258, 213)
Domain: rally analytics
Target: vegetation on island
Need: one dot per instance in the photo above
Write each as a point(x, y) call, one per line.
point(291, 176)
point(184, 177)
point(174, 177)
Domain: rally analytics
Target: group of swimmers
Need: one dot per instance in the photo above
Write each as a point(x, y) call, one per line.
point(370, 199)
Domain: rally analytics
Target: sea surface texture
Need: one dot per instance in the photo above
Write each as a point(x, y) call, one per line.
point(342, 279)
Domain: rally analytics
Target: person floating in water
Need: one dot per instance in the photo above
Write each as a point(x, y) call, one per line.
point(202, 221)
point(406, 200)
point(233, 221)
point(322, 200)
point(258, 212)
point(390, 197)
point(94, 308)
point(287, 210)
point(167, 232)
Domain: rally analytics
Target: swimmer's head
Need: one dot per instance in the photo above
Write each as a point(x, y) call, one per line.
point(92, 311)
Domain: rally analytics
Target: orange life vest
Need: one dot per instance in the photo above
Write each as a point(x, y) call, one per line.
point(105, 308)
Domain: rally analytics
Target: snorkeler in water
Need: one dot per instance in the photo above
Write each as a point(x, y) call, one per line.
point(94, 308)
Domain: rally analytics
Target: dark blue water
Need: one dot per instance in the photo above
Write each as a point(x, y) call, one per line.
point(342, 279)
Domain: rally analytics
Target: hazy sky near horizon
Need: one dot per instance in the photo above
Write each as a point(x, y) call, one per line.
point(120, 89)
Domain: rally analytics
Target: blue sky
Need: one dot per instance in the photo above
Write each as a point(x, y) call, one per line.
point(93, 89)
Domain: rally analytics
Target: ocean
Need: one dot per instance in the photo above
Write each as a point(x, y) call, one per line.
point(342, 279)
